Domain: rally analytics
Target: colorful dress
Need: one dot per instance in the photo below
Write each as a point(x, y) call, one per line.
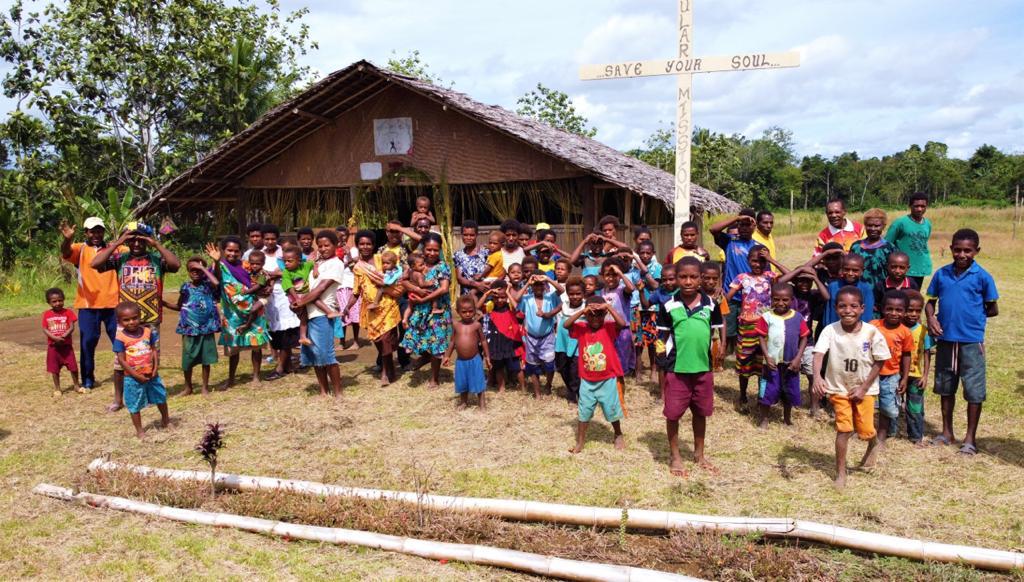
point(757, 299)
point(619, 301)
point(236, 307)
point(376, 322)
point(198, 309)
point(643, 323)
point(430, 333)
point(470, 266)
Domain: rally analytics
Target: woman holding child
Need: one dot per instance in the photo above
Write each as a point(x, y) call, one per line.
point(324, 282)
point(236, 307)
point(430, 328)
point(380, 323)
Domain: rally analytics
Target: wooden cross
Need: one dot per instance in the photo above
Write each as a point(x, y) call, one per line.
point(684, 67)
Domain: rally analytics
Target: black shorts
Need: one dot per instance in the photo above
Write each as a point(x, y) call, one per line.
point(286, 339)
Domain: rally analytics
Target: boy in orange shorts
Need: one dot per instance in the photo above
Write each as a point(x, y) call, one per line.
point(856, 353)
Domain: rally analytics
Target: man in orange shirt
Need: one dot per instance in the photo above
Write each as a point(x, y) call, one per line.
point(97, 292)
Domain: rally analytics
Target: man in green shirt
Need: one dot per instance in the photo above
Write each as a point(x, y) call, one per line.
point(910, 234)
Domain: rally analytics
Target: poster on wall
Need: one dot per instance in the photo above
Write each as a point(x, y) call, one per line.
point(392, 137)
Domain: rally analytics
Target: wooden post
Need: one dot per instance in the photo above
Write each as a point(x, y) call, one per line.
point(1016, 213)
point(791, 226)
point(628, 212)
point(243, 212)
point(684, 85)
point(588, 198)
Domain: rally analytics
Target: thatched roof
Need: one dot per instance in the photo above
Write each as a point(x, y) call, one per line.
point(214, 176)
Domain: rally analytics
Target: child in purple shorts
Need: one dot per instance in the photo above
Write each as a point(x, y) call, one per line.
point(782, 333)
point(685, 322)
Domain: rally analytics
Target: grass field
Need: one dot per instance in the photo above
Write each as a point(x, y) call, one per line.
point(390, 438)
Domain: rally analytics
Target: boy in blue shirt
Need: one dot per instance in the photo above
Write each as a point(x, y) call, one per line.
point(849, 274)
point(539, 310)
point(966, 297)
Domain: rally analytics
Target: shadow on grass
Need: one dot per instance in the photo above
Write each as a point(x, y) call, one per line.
point(804, 458)
point(1007, 450)
point(657, 443)
point(4, 434)
point(597, 431)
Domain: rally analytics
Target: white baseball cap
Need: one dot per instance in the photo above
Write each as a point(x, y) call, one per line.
point(92, 222)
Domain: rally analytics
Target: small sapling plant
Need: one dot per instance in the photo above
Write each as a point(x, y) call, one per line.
point(212, 441)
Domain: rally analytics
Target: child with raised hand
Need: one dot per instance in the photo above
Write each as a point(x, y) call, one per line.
point(616, 292)
point(468, 341)
point(920, 366)
point(135, 347)
point(393, 274)
point(961, 298)
point(783, 334)
point(685, 325)
point(59, 327)
point(711, 285)
point(895, 374)
point(199, 321)
point(566, 348)
point(539, 309)
point(755, 289)
point(599, 367)
point(873, 247)
point(856, 352)
point(896, 268)
point(809, 298)
point(503, 333)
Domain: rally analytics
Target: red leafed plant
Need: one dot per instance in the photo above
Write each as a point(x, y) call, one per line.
point(209, 445)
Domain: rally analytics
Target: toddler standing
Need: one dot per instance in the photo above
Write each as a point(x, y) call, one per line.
point(59, 327)
point(468, 341)
point(136, 348)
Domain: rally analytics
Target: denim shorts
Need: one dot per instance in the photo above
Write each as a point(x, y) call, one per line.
point(957, 362)
point(888, 395)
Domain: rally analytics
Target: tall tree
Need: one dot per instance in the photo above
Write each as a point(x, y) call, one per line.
point(145, 73)
point(554, 108)
point(412, 65)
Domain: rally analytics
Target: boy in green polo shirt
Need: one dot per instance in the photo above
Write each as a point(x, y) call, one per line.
point(684, 349)
point(910, 234)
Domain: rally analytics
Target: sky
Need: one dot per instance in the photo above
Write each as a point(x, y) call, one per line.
point(875, 76)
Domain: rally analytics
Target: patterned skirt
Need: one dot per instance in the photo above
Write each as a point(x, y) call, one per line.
point(644, 326)
point(748, 350)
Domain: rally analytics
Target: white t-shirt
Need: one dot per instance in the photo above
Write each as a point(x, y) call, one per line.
point(850, 356)
point(332, 270)
point(279, 313)
point(511, 258)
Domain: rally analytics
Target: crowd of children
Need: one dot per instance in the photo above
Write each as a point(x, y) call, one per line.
point(849, 319)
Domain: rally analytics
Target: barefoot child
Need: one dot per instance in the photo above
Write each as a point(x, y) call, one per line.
point(393, 274)
point(892, 381)
point(920, 365)
point(59, 327)
point(566, 348)
point(685, 325)
point(539, 308)
point(199, 321)
point(467, 342)
point(504, 334)
point(295, 283)
point(599, 367)
point(135, 346)
point(856, 352)
point(961, 298)
point(783, 334)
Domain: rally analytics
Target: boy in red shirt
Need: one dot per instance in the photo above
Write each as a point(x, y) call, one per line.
point(599, 367)
point(59, 326)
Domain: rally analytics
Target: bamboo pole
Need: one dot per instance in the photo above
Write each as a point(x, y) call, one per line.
point(612, 517)
point(473, 554)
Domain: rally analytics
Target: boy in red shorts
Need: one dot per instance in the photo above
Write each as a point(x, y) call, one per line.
point(685, 324)
point(59, 326)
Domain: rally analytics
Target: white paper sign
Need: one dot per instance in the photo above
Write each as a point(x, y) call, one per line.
point(370, 171)
point(392, 137)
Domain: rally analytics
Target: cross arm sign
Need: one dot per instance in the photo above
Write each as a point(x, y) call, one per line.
point(715, 64)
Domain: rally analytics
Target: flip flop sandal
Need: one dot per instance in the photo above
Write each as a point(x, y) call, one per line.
point(940, 440)
point(969, 450)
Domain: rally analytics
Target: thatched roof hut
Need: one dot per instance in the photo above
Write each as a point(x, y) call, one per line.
point(320, 156)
